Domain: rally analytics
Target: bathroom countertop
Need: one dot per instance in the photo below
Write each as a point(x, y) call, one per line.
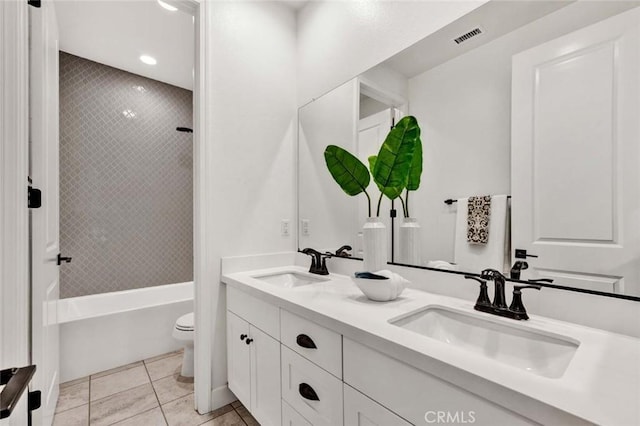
point(601, 385)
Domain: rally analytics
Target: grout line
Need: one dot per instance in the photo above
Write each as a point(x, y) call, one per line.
point(70, 408)
point(155, 393)
point(241, 418)
point(89, 405)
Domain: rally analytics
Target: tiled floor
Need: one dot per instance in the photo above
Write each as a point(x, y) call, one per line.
point(145, 393)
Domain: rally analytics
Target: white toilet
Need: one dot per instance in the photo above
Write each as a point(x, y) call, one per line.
point(183, 331)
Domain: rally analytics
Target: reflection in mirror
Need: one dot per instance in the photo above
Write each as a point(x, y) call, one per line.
point(329, 218)
point(534, 105)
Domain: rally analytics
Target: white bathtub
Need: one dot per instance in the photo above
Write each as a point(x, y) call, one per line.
point(104, 331)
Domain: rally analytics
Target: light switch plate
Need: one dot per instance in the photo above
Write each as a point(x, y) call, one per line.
point(284, 227)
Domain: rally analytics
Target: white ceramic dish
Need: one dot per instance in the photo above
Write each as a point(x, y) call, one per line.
point(382, 290)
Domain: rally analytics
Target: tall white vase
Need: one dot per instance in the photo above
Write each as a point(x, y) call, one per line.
point(374, 236)
point(410, 241)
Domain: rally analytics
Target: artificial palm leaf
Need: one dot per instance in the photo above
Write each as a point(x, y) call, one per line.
point(415, 171)
point(349, 172)
point(392, 165)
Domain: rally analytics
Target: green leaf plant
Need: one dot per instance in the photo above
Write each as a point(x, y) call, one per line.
point(395, 163)
point(349, 172)
point(398, 165)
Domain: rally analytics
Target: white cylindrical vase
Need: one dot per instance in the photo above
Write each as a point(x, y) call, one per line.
point(374, 236)
point(410, 243)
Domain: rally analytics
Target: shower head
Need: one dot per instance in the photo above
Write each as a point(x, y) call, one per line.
point(184, 129)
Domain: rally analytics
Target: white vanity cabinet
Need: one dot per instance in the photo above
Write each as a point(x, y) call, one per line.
point(289, 370)
point(359, 410)
point(253, 359)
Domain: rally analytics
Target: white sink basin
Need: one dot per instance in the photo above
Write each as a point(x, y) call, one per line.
point(544, 354)
point(290, 279)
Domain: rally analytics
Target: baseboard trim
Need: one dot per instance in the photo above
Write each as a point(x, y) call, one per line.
point(221, 396)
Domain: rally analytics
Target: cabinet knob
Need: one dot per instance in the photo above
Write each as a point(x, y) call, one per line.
point(307, 392)
point(243, 336)
point(305, 341)
point(248, 341)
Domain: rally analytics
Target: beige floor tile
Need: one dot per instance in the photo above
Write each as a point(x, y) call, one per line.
point(123, 405)
point(246, 416)
point(118, 382)
point(116, 370)
point(156, 358)
point(236, 404)
point(72, 396)
point(230, 419)
point(170, 389)
point(78, 416)
point(74, 382)
point(152, 417)
point(164, 367)
point(181, 412)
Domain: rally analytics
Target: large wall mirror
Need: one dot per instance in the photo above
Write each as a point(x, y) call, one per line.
point(532, 107)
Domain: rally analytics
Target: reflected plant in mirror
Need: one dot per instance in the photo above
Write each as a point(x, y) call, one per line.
point(396, 168)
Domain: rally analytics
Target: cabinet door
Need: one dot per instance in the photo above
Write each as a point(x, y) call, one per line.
point(359, 410)
point(238, 358)
point(265, 378)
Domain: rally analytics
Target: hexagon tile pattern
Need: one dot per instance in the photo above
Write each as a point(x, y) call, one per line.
point(126, 182)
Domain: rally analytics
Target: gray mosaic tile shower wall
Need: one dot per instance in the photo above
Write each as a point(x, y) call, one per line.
point(126, 209)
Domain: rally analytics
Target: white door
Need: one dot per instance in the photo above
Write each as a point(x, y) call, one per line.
point(372, 131)
point(265, 378)
point(14, 237)
point(576, 156)
point(45, 220)
point(238, 358)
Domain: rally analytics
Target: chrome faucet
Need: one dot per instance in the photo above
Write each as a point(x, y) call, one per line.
point(318, 261)
point(499, 307)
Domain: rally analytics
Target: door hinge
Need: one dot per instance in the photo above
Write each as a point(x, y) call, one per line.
point(34, 3)
point(34, 198)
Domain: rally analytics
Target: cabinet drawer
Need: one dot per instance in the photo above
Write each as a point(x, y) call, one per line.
point(291, 417)
point(314, 342)
point(414, 394)
point(263, 315)
point(311, 391)
point(362, 411)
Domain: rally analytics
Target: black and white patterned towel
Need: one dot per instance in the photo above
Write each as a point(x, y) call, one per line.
point(478, 215)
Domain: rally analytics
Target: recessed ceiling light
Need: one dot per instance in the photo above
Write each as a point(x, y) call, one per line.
point(148, 60)
point(167, 6)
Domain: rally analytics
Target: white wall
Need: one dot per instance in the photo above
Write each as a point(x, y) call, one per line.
point(339, 40)
point(251, 124)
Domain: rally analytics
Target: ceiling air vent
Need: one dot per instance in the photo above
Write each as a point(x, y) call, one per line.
point(467, 36)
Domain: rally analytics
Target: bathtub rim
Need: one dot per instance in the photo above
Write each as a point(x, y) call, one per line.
point(66, 315)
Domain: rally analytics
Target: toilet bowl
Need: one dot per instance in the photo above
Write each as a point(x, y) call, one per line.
point(183, 331)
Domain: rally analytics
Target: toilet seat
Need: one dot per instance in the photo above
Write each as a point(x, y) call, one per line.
point(184, 330)
point(185, 322)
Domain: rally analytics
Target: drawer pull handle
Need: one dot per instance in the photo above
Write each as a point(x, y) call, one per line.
point(305, 341)
point(248, 341)
point(307, 392)
point(243, 336)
